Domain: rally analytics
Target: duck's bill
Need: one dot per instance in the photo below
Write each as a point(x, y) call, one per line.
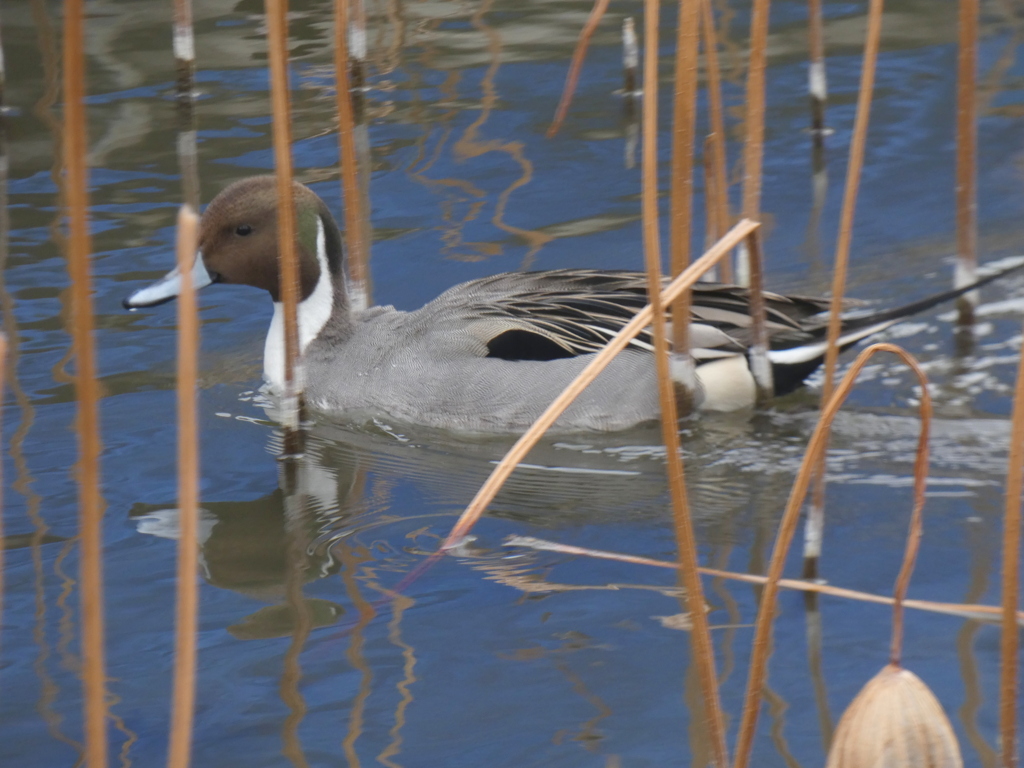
point(169, 286)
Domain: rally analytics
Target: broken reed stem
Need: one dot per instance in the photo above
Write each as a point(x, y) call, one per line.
point(183, 707)
point(963, 610)
point(682, 161)
point(3, 71)
point(720, 199)
point(630, 59)
point(352, 197)
point(185, 63)
point(90, 502)
point(277, 44)
point(1010, 640)
point(600, 361)
point(766, 612)
point(578, 55)
point(817, 81)
point(966, 161)
point(814, 527)
point(753, 148)
point(899, 593)
point(684, 128)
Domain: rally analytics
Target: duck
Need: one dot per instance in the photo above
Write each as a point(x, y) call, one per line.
point(488, 355)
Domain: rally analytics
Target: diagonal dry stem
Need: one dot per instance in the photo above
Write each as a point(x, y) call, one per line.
point(787, 527)
point(578, 55)
point(601, 360)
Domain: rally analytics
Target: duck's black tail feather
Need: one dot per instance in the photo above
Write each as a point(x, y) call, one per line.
point(791, 366)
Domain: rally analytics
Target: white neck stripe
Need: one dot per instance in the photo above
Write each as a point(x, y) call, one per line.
point(313, 314)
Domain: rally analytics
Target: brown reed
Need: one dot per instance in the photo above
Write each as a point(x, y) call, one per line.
point(1010, 641)
point(3, 366)
point(766, 613)
point(684, 128)
point(991, 613)
point(703, 650)
point(814, 527)
point(578, 56)
point(753, 148)
point(277, 44)
point(185, 62)
point(3, 75)
point(616, 344)
point(760, 365)
point(90, 501)
point(352, 198)
point(719, 199)
point(966, 159)
point(183, 699)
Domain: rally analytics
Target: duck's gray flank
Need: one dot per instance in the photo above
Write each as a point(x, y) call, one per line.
point(490, 354)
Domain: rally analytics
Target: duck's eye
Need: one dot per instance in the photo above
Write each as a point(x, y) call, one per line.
point(243, 230)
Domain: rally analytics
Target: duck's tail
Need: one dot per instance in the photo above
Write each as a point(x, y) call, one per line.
point(794, 364)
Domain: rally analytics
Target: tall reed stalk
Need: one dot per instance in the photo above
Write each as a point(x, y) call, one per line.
point(814, 529)
point(753, 145)
point(718, 199)
point(356, 236)
point(183, 697)
point(90, 501)
point(702, 649)
point(277, 43)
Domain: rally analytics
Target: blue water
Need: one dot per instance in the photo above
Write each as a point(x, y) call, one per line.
point(504, 657)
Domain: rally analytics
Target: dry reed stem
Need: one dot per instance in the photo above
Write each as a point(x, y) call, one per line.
point(90, 501)
point(753, 148)
point(684, 129)
point(183, 699)
point(966, 160)
point(3, 75)
point(814, 527)
point(355, 235)
point(719, 201)
point(578, 55)
point(899, 593)
point(277, 44)
point(1010, 641)
point(760, 365)
point(766, 613)
point(600, 361)
point(682, 161)
point(970, 611)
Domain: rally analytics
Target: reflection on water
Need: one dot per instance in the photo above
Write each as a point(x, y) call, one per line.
point(495, 656)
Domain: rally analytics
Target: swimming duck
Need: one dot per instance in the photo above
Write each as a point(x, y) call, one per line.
point(489, 355)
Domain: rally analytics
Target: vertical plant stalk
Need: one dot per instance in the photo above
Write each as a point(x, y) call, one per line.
point(616, 344)
point(3, 71)
point(787, 527)
point(814, 528)
point(720, 199)
point(90, 502)
point(578, 56)
point(684, 128)
point(1010, 640)
point(966, 161)
point(277, 43)
point(817, 81)
point(700, 636)
point(355, 232)
point(185, 64)
point(753, 148)
point(188, 498)
point(760, 365)
point(3, 367)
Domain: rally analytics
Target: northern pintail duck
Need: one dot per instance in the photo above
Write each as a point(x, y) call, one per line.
point(490, 354)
